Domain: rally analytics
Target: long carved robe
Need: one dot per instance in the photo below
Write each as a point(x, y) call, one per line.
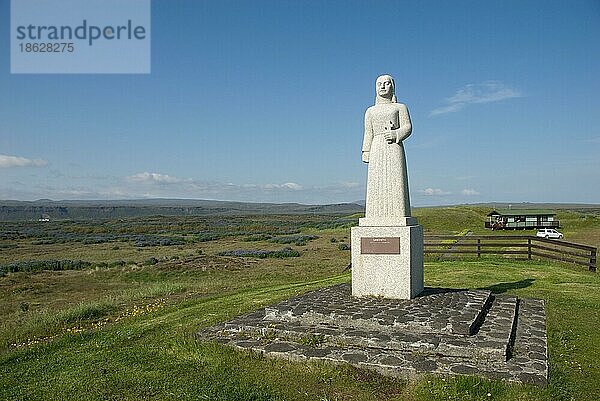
point(387, 180)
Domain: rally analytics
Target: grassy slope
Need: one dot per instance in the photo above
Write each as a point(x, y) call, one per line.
point(581, 227)
point(452, 220)
point(126, 333)
point(152, 355)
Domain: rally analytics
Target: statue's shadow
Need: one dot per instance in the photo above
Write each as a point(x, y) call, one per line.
point(504, 287)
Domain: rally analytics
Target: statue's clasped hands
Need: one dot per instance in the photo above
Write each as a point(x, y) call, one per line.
point(389, 135)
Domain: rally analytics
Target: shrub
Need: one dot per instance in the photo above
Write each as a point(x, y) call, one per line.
point(38, 265)
point(209, 236)
point(116, 263)
point(150, 261)
point(24, 306)
point(285, 253)
point(44, 242)
point(299, 240)
point(245, 252)
point(97, 240)
point(342, 246)
point(157, 240)
point(258, 253)
point(287, 231)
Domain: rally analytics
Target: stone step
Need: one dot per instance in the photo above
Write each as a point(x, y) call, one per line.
point(385, 361)
point(434, 311)
point(504, 324)
point(529, 360)
point(491, 342)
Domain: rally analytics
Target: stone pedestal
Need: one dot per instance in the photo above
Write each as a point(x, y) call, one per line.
point(387, 261)
point(443, 331)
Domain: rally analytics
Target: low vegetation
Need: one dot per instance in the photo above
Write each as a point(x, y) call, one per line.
point(299, 240)
point(38, 265)
point(122, 326)
point(258, 253)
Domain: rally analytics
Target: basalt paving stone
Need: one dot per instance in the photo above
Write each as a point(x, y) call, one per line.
point(530, 355)
point(434, 311)
point(490, 342)
point(401, 352)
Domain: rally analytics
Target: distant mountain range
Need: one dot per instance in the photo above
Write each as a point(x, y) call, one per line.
point(109, 209)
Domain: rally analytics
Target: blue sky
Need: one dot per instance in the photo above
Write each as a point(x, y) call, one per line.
point(264, 101)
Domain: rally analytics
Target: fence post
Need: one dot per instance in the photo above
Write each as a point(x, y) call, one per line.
point(593, 260)
point(478, 247)
point(528, 248)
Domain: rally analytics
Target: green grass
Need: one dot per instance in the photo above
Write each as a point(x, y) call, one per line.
point(452, 220)
point(125, 332)
point(152, 355)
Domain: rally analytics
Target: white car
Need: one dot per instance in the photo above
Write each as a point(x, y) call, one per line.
point(548, 233)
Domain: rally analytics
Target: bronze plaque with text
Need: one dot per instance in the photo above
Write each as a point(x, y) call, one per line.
point(380, 245)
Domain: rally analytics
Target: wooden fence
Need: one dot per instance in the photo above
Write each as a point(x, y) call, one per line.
point(526, 246)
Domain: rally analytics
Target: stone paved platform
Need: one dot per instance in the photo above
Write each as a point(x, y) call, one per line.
point(443, 331)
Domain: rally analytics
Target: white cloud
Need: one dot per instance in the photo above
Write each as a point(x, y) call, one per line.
point(288, 185)
point(148, 184)
point(486, 92)
point(433, 192)
point(349, 185)
point(154, 178)
point(78, 193)
point(469, 192)
point(293, 186)
point(159, 185)
point(16, 161)
point(447, 109)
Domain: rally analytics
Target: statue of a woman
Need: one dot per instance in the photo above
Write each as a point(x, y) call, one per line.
point(387, 124)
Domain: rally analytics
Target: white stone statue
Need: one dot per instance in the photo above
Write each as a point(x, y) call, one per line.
point(387, 124)
point(387, 244)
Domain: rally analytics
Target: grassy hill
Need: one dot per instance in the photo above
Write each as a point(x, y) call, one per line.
point(121, 326)
point(452, 219)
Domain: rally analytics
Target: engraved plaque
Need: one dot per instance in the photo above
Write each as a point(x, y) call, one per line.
point(380, 245)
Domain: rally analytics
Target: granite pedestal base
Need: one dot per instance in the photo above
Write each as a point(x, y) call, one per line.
point(387, 261)
point(442, 331)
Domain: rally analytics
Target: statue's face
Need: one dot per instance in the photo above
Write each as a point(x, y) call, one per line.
point(384, 87)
